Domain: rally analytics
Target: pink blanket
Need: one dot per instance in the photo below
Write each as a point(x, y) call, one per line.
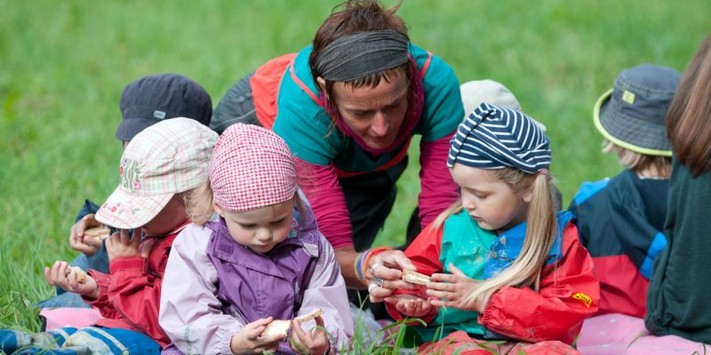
point(611, 334)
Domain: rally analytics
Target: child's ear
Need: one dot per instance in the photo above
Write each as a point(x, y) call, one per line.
point(527, 196)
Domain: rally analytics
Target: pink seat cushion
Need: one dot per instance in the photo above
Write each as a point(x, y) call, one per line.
point(70, 317)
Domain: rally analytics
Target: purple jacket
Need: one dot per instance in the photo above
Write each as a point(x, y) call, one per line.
point(214, 286)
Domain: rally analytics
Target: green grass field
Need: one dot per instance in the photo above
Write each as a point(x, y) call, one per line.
point(63, 65)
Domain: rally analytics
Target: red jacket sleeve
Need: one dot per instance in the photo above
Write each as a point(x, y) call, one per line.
point(424, 253)
point(568, 294)
point(132, 295)
point(438, 190)
point(102, 302)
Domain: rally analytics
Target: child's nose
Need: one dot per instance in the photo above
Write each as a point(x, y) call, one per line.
point(264, 234)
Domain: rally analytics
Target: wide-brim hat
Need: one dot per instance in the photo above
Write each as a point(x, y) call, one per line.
point(632, 114)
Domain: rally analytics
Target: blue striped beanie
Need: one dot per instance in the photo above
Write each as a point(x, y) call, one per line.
point(495, 137)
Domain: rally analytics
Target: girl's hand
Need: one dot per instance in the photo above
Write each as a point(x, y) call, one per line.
point(72, 279)
point(249, 339)
point(384, 273)
point(313, 342)
point(78, 241)
point(121, 245)
point(452, 290)
point(411, 306)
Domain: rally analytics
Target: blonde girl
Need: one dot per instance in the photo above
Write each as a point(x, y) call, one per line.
point(504, 264)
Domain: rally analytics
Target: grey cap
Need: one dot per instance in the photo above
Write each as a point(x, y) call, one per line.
point(154, 98)
point(492, 92)
point(632, 114)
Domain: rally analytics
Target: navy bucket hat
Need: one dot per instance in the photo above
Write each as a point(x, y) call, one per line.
point(632, 114)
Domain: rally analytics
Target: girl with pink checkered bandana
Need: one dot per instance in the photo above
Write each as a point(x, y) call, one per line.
point(252, 256)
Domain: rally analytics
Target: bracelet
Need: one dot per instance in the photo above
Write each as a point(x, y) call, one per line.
point(358, 266)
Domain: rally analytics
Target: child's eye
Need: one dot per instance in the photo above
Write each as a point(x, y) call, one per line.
point(248, 226)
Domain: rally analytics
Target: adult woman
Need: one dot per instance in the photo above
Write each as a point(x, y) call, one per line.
point(348, 106)
point(677, 299)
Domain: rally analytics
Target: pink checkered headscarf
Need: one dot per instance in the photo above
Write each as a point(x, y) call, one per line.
point(251, 168)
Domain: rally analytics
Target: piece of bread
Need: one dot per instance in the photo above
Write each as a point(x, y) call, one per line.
point(81, 274)
point(282, 327)
point(101, 232)
point(415, 277)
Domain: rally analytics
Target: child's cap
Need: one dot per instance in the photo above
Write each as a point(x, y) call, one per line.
point(154, 98)
point(495, 137)
point(251, 168)
point(493, 92)
point(632, 114)
point(167, 158)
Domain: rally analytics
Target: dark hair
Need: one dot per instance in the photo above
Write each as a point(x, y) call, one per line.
point(358, 16)
point(689, 115)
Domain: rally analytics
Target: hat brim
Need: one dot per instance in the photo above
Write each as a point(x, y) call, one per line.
point(130, 127)
point(629, 132)
point(128, 211)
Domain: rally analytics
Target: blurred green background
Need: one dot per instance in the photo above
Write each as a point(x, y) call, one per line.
point(63, 65)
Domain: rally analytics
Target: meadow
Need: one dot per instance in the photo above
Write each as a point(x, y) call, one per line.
point(63, 65)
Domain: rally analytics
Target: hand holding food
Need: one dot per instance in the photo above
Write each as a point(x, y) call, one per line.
point(79, 241)
point(282, 326)
point(71, 278)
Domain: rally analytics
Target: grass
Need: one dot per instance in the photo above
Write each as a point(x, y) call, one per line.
point(64, 65)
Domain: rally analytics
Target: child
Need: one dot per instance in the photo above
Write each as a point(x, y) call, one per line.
point(515, 269)
point(261, 258)
point(144, 102)
point(621, 219)
point(158, 168)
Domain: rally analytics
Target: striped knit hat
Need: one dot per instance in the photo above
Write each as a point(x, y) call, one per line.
point(251, 168)
point(495, 137)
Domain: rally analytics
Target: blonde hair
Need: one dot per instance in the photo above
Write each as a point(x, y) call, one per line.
point(637, 162)
point(540, 233)
point(199, 204)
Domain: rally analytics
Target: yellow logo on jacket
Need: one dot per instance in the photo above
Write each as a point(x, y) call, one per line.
point(583, 298)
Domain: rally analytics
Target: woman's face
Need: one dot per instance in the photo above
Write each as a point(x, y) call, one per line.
point(375, 114)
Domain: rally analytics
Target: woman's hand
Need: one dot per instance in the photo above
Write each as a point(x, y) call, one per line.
point(384, 274)
point(452, 290)
point(249, 339)
point(78, 241)
point(72, 279)
point(313, 342)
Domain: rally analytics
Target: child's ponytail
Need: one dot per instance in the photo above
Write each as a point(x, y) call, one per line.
point(540, 235)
